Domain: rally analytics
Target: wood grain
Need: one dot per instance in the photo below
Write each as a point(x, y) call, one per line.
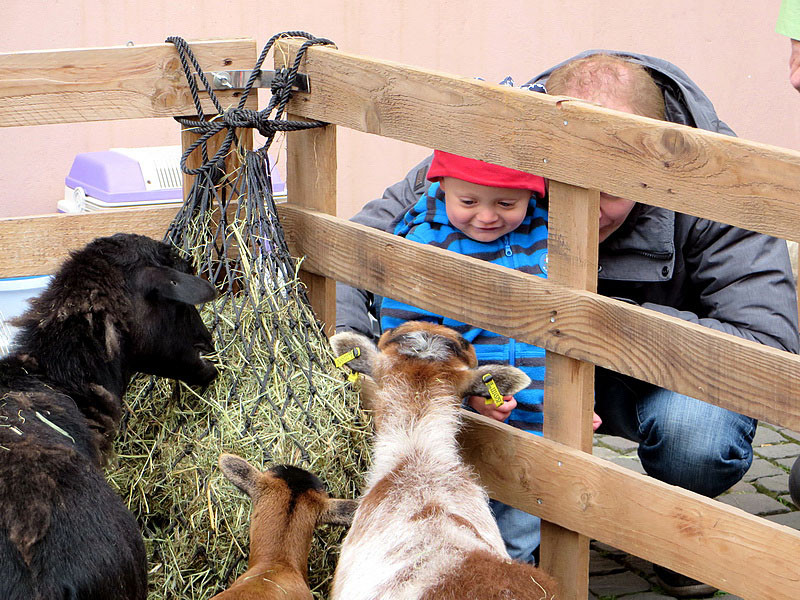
point(578, 324)
point(37, 245)
point(701, 537)
point(569, 383)
point(65, 86)
point(743, 183)
point(311, 183)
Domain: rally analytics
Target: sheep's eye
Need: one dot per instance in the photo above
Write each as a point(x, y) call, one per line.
point(173, 282)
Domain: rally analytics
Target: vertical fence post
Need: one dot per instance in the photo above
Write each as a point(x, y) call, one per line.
point(311, 183)
point(195, 159)
point(569, 384)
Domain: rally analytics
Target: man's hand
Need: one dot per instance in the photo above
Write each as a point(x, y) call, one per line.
point(498, 413)
point(794, 65)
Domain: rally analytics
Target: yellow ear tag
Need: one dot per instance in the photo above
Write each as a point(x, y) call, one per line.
point(352, 378)
point(496, 396)
point(345, 358)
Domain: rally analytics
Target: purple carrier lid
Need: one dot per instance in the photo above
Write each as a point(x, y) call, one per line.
point(113, 177)
point(117, 178)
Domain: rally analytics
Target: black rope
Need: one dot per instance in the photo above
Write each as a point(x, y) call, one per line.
point(262, 321)
point(239, 116)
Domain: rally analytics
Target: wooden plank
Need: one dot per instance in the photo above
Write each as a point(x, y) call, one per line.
point(569, 385)
point(701, 537)
point(572, 262)
point(37, 245)
point(232, 161)
point(606, 332)
point(751, 185)
point(311, 163)
point(63, 86)
point(311, 183)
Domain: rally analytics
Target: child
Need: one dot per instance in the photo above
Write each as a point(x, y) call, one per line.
point(496, 214)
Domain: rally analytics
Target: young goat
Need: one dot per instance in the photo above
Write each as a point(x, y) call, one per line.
point(288, 503)
point(423, 528)
point(122, 304)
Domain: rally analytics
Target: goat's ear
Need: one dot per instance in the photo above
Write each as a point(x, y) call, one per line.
point(240, 473)
point(338, 512)
point(347, 341)
point(174, 285)
point(509, 380)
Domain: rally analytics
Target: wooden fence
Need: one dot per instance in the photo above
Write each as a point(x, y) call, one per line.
point(582, 149)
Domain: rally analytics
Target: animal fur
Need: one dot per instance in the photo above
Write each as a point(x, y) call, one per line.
point(122, 304)
point(423, 529)
point(288, 503)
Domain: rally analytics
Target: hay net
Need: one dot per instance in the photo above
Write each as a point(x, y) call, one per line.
point(278, 398)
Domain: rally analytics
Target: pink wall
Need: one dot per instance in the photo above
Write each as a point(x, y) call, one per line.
point(729, 48)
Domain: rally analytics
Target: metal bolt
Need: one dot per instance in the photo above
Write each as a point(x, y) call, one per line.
point(222, 79)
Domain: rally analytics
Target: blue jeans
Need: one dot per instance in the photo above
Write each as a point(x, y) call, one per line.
point(521, 531)
point(682, 441)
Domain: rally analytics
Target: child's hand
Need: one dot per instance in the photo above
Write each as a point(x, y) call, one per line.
point(498, 413)
point(596, 421)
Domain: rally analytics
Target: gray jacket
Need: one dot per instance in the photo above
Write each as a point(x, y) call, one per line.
point(720, 276)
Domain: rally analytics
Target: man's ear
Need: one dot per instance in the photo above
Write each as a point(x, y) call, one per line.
point(509, 380)
point(355, 350)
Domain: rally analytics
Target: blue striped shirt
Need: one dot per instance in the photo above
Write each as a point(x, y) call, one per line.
point(524, 249)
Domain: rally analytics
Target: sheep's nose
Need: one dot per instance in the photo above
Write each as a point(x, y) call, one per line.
point(205, 347)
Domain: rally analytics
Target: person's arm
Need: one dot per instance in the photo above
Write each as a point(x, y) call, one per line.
point(744, 284)
point(354, 305)
point(794, 65)
point(789, 25)
point(394, 313)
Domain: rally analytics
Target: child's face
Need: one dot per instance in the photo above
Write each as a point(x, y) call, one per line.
point(482, 212)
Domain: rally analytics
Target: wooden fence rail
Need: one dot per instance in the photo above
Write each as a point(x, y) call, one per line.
point(100, 84)
point(582, 149)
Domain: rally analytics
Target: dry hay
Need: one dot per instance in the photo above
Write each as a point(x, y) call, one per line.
point(285, 403)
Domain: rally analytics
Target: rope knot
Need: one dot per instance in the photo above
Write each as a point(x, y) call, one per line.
point(280, 81)
point(240, 117)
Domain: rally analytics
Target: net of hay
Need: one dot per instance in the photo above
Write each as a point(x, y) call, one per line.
point(278, 398)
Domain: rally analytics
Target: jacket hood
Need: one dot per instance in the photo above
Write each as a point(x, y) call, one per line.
point(643, 248)
point(685, 103)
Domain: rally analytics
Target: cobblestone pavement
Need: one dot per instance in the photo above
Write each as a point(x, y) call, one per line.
point(616, 575)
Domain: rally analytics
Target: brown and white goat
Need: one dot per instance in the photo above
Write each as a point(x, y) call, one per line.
point(423, 529)
point(288, 503)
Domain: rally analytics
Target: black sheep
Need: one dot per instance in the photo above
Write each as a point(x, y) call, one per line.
point(122, 304)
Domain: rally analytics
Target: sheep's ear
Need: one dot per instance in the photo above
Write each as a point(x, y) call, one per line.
point(509, 380)
point(240, 473)
point(338, 512)
point(174, 285)
point(347, 341)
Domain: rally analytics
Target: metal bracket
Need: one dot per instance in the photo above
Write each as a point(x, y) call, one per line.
point(236, 80)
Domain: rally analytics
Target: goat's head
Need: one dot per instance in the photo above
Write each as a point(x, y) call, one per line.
point(425, 352)
point(286, 492)
point(131, 297)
